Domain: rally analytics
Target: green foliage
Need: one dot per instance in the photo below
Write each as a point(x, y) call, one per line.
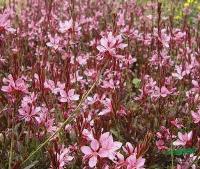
point(180, 152)
point(2, 3)
point(136, 82)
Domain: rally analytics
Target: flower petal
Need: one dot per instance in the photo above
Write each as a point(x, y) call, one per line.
point(95, 145)
point(103, 153)
point(93, 161)
point(86, 150)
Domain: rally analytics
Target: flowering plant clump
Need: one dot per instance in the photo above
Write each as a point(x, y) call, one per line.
point(99, 84)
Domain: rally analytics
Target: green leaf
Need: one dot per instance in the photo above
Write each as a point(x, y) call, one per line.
point(136, 82)
point(180, 152)
point(116, 134)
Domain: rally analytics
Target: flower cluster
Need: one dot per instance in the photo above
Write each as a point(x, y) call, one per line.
point(99, 84)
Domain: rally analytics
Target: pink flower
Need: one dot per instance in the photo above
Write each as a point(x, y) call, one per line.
point(122, 111)
point(5, 24)
point(91, 152)
point(131, 162)
point(91, 100)
point(108, 107)
point(70, 96)
point(179, 36)
point(28, 112)
point(65, 26)
point(177, 123)
point(128, 148)
point(4, 21)
point(109, 84)
point(82, 60)
point(54, 42)
point(108, 146)
point(63, 157)
point(43, 118)
point(161, 145)
point(183, 139)
point(186, 162)
point(121, 20)
point(14, 85)
point(164, 133)
point(134, 163)
point(29, 99)
point(120, 163)
point(196, 116)
point(49, 84)
point(180, 73)
point(110, 44)
point(59, 88)
point(88, 134)
point(164, 39)
point(195, 84)
point(164, 91)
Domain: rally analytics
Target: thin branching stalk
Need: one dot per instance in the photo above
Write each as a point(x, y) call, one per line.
point(172, 157)
point(12, 141)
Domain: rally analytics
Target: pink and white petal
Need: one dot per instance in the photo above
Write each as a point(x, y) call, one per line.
point(104, 136)
point(63, 99)
point(93, 161)
point(111, 155)
point(86, 150)
point(195, 83)
point(131, 159)
point(180, 135)
point(63, 93)
point(130, 147)
point(101, 48)
point(71, 92)
point(104, 42)
point(74, 97)
point(119, 56)
point(103, 153)
point(122, 45)
point(95, 145)
point(104, 112)
point(5, 89)
point(190, 135)
point(178, 143)
point(194, 115)
point(117, 145)
point(140, 162)
point(120, 156)
point(113, 42)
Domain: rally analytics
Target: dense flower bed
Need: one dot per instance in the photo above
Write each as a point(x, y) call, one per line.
point(99, 84)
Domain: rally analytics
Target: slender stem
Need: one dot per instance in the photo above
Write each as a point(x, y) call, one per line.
point(12, 141)
point(172, 157)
